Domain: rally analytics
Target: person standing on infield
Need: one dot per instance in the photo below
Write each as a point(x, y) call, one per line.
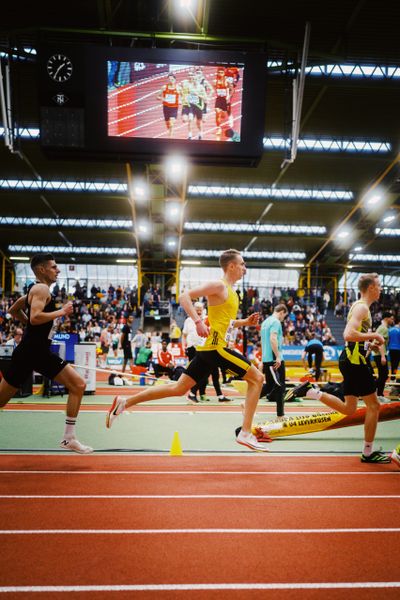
point(223, 304)
point(38, 311)
point(273, 363)
point(354, 364)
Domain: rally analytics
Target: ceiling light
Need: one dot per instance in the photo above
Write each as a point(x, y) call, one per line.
point(19, 258)
point(375, 199)
point(171, 242)
point(357, 249)
point(191, 262)
point(126, 260)
point(172, 211)
point(175, 167)
point(343, 234)
point(389, 218)
point(294, 265)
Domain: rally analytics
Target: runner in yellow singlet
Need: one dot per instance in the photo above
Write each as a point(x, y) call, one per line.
point(223, 305)
point(354, 364)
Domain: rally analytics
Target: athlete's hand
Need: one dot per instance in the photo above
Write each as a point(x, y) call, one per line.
point(67, 309)
point(253, 319)
point(202, 329)
point(379, 339)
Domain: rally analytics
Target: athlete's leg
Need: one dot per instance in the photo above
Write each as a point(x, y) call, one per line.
point(7, 391)
point(179, 388)
point(76, 386)
point(254, 380)
point(371, 416)
point(348, 407)
point(318, 363)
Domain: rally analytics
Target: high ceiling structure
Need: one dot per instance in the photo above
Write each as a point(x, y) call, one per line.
point(314, 212)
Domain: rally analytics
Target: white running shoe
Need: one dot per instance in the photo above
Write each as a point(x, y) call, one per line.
point(250, 440)
point(396, 456)
point(115, 410)
point(75, 446)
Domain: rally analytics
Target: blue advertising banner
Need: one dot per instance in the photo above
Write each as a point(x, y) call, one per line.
point(70, 340)
point(332, 353)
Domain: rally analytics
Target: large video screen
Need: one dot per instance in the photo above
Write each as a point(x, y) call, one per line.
point(175, 101)
point(141, 104)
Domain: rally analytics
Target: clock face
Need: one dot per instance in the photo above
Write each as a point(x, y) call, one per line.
point(59, 67)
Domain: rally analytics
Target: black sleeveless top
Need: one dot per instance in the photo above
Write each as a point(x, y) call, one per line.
point(39, 333)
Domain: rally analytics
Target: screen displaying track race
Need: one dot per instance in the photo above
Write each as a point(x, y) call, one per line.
point(183, 102)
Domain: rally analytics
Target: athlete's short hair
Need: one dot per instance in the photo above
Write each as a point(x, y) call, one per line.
point(40, 259)
point(366, 280)
point(281, 308)
point(227, 257)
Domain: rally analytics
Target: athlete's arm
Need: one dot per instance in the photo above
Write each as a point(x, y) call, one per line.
point(273, 338)
point(16, 310)
point(214, 291)
point(39, 297)
point(251, 320)
point(351, 333)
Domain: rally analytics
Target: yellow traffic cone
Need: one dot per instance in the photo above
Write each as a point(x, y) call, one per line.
point(176, 448)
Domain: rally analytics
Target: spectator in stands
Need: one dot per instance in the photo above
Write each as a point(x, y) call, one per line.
point(174, 331)
point(16, 338)
point(380, 354)
point(139, 340)
point(165, 362)
point(144, 356)
point(314, 349)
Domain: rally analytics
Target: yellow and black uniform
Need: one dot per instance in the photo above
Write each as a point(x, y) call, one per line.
point(215, 352)
point(33, 353)
point(354, 363)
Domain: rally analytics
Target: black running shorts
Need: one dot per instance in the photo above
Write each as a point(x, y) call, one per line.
point(358, 380)
point(205, 361)
point(30, 356)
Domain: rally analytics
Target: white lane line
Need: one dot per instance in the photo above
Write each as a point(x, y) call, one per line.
point(240, 473)
point(191, 531)
point(201, 586)
point(191, 497)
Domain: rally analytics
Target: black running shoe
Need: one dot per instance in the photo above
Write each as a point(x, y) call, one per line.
point(298, 391)
point(224, 399)
point(376, 457)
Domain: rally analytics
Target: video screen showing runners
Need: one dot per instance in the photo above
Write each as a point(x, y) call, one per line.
point(171, 101)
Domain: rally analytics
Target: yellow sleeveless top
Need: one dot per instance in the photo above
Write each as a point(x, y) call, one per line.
point(220, 317)
point(356, 351)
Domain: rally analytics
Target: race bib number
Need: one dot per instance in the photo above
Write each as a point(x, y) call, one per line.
point(170, 98)
point(221, 92)
point(230, 332)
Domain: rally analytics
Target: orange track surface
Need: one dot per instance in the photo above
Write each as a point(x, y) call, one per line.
point(157, 558)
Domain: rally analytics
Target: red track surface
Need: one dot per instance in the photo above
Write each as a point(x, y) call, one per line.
point(142, 558)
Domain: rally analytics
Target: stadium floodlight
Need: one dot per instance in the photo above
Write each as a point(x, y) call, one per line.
point(389, 218)
point(171, 242)
point(175, 167)
point(357, 249)
point(144, 229)
point(22, 258)
point(343, 234)
point(172, 211)
point(373, 199)
point(140, 191)
point(131, 261)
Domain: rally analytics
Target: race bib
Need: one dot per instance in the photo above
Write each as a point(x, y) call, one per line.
point(229, 336)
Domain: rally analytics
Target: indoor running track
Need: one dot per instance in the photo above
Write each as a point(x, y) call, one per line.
point(198, 527)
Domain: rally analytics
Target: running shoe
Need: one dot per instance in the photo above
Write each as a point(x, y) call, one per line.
point(75, 446)
point(224, 399)
point(299, 391)
point(115, 410)
point(249, 440)
point(396, 456)
point(376, 457)
point(204, 398)
point(191, 398)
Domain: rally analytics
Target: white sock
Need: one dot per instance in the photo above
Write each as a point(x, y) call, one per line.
point(368, 448)
point(69, 431)
point(314, 393)
point(121, 406)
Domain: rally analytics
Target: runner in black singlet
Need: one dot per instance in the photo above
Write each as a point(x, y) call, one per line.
point(38, 311)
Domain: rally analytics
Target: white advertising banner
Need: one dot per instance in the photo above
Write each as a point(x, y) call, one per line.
point(85, 356)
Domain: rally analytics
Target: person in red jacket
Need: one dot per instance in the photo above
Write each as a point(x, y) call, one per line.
point(170, 95)
point(165, 362)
